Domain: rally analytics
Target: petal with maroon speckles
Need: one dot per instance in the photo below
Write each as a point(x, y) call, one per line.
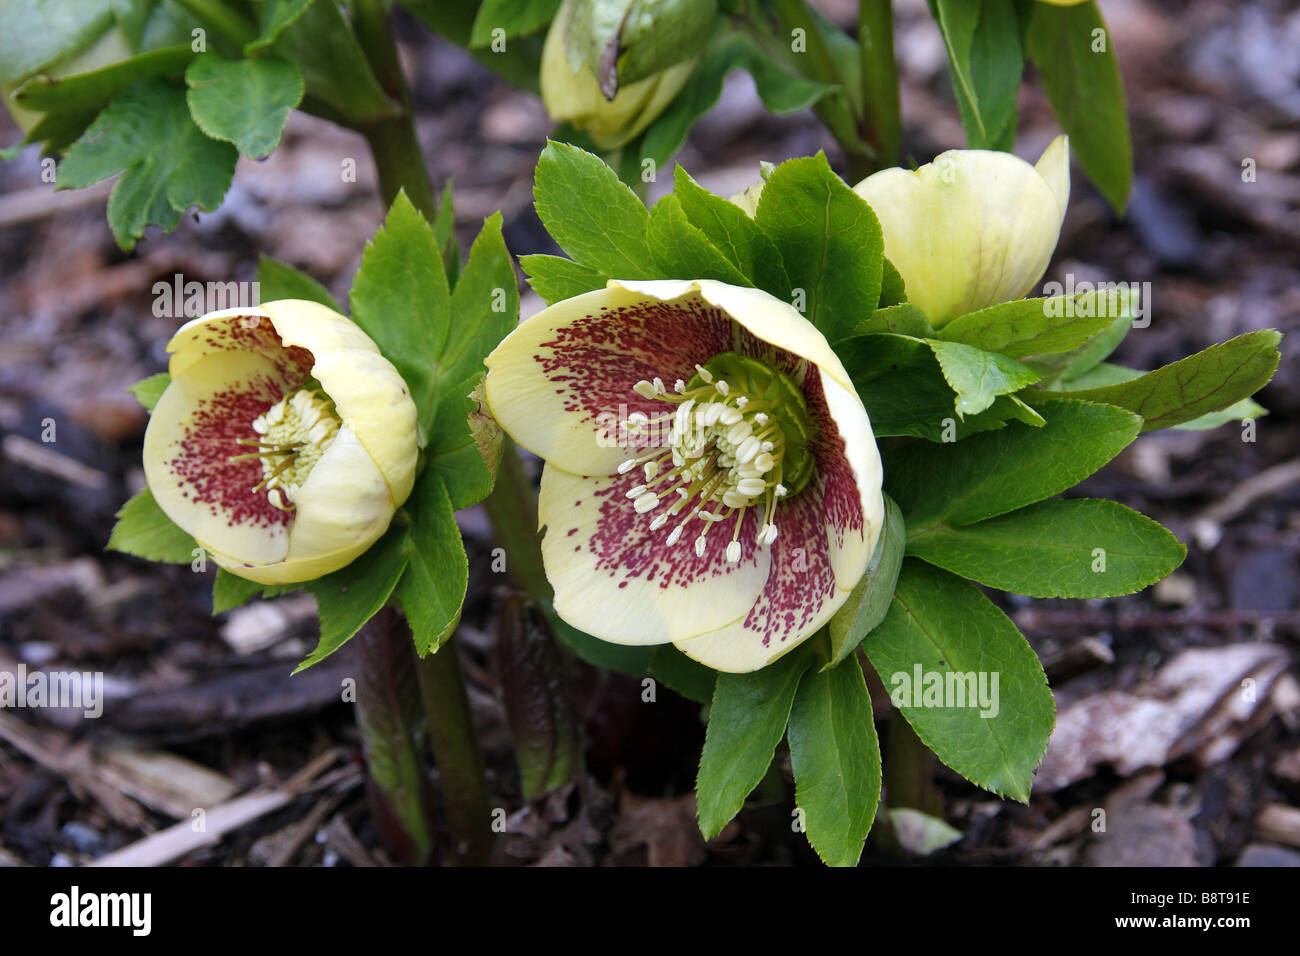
point(619, 581)
point(560, 382)
point(193, 433)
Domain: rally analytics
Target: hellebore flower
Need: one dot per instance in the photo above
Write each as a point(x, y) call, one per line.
point(711, 476)
point(973, 228)
point(285, 441)
point(574, 95)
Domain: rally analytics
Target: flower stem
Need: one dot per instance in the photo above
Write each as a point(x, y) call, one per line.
point(466, 800)
point(512, 511)
point(909, 770)
point(882, 119)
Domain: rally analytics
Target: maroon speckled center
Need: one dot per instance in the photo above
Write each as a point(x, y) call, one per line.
point(594, 363)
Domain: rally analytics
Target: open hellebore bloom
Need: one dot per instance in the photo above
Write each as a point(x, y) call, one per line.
point(284, 442)
point(973, 228)
point(574, 95)
point(711, 477)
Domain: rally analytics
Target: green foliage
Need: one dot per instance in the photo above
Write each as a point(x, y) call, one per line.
point(432, 589)
point(168, 164)
point(940, 625)
point(144, 530)
point(985, 60)
point(245, 102)
point(870, 600)
point(147, 391)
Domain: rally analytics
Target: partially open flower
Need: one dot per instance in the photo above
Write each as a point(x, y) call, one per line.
point(711, 477)
point(572, 92)
point(973, 228)
point(285, 441)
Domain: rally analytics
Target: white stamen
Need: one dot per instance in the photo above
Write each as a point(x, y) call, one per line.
point(733, 552)
point(636, 492)
point(722, 387)
point(742, 401)
point(658, 522)
point(675, 535)
point(679, 386)
point(646, 502)
point(782, 491)
point(751, 486)
point(747, 450)
point(761, 418)
point(699, 546)
point(627, 466)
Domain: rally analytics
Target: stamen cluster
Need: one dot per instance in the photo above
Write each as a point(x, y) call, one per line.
point(292, 435)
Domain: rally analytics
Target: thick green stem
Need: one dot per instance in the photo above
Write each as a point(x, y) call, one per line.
point(393, 143)
point(466, 800)
point(512, 511)
point(882, 119)
point(909, 770)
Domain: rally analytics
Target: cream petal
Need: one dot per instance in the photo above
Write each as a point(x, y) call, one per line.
point(973, 228)
point(369, 393)
point(619, 581)
point(192, 434)
point(562, 381)
point(851, 547)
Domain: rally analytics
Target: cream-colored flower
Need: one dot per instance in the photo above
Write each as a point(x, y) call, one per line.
point(574, 96)
point(711, 476)
point(973, 228)
point(285, 441)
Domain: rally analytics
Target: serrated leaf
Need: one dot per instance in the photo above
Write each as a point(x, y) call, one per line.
point(683, 251)
point(734, 234)
point(1208, 381)
point(746, 722)
point(991, 474)
point(278, 280)
point(432, 588)
point(836, 761)
point(1067, 548)
point(901, 319)
point(596, 219)
point(1075, 54)
point(979, 377)
point(870, 600)
point(400, 299)
point(903, 388)
point(38, 33)
point(245, 102)
point(1028, 327)
point(828, 238)
point(556, 279)
point(147, 391)
point(942, 625)
point(92, 90)
point(277, 16)
point(167, 164)
point(143, 529)
point(350, 596)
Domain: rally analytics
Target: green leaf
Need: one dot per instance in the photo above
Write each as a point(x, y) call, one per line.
point(1081, 77)
point(829, 240)
point(941, 625)
point(1068, 548)
point(432, 589)
point(278, 280)
point(870, 600)
point(1208, 381)
point(485, 304)
point(682, 251)
point(689, 678)
point(735, 235)
point(836, 761)
point(39, 33)
point(595, 218)
point(901, 319)
point(903, 388)
point(350, 596)
point(400, 299)
point(986, 60)
point(556, 279)
point(893, 291)
point(991, 474)
point(515, 17)
point(143, 529)
point(168, 165)
point(634, 661)
point(245, 102)
point(230, 590)
point(147, 391)
point(92, 90)
point(979, 377)
point(1028, 327)
point(321, 43)
point(277, 15)
point(746, 722)
point(1241, 411)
